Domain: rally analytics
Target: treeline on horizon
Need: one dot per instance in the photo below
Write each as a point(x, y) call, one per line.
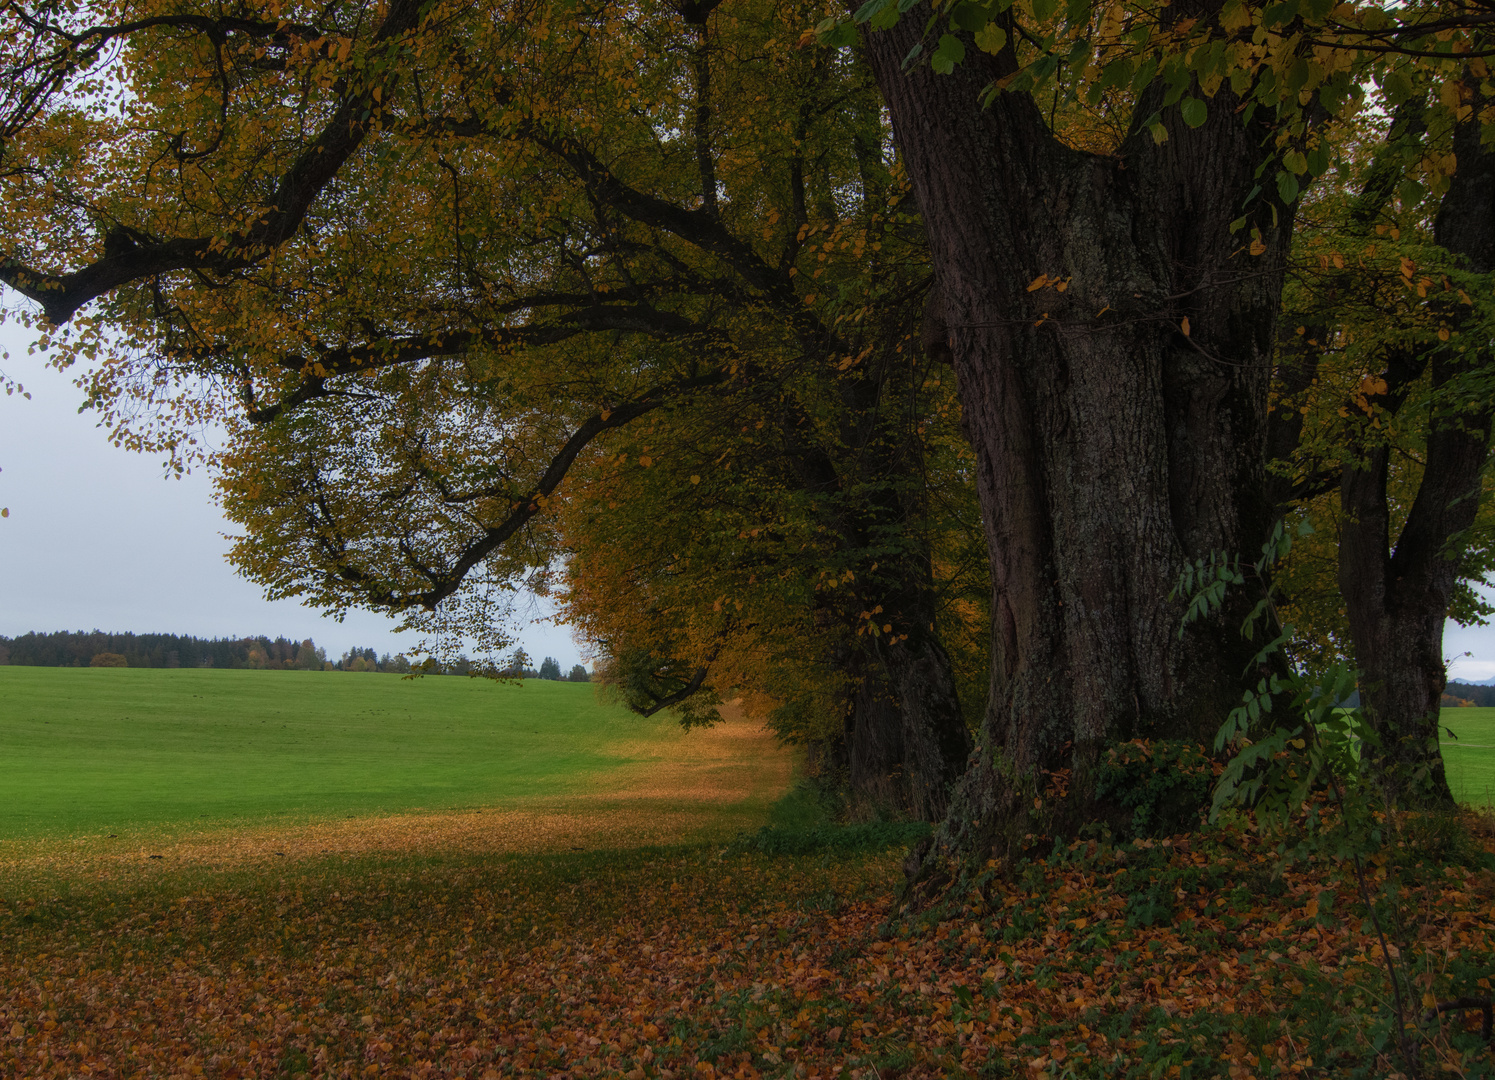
point(1456, 693)
point(99, 649)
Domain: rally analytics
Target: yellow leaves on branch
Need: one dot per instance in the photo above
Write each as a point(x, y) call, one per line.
point(1044, 281)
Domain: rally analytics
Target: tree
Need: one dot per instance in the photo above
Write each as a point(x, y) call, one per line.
point(409, 399)
point(1384, 420)
point(550, 668)
point(1110, 310)
point(790, 566)
point(578, 674)
point(309, 657)
point(1112, 313)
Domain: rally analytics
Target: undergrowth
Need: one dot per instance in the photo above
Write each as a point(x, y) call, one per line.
point(806, 821)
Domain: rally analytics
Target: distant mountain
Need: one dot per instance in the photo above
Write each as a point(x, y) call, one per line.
point(1466, 682)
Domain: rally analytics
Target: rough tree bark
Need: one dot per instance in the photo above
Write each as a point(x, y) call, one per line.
point(904, 739)
point(1397, 599)
point(1112, 441)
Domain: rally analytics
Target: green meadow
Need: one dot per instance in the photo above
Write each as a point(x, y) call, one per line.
point(1469, 757)
point(99, 749)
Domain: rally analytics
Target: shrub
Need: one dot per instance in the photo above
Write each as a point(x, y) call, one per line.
point(108, 659)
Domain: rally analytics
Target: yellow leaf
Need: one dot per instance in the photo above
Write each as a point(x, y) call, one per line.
point(1429, 1001)
point(17, 1030)
point(990, 38)
point(1184, 326)
point(605, 414)
point(646, 461)
point(1257, 247)
point(695, 479)
point(1037, 283)
point(1311, 909)
point(1442, 333)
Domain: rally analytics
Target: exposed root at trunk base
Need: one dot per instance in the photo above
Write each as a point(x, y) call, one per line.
point(1000, 819)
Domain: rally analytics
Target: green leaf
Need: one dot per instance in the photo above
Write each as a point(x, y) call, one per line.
point(991, 38)
point(969, 17)
point(1277, 14)
point(1043, 10)
point(1193, 111)
point(836, 33)
point(913, 54)
point(869, 9)
point(1287, 187)
point(950, 51)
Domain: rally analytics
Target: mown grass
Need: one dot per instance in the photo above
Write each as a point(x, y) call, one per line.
point(105, 749)
point(1469, 755)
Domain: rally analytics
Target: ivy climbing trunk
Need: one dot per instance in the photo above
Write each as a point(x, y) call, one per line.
point(1119, 422)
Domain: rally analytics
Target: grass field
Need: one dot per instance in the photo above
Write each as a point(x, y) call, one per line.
point(1470, 758)
point(103, 750)
point(533, 885)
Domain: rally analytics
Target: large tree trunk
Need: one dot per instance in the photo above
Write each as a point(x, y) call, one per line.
point(1397, 599)
point(906, 742)
point(904, 738)
point(1112, 441)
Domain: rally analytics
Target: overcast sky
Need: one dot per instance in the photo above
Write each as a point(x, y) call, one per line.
point(97, 539)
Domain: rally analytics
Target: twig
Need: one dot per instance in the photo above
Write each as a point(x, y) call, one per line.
point(1487, 1028)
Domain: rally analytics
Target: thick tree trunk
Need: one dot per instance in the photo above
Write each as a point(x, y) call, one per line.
point(906, 742)
point(1396, 625)
point(1113, 441)
point(1397, 599)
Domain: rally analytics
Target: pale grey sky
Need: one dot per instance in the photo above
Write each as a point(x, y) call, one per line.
point(96, 538)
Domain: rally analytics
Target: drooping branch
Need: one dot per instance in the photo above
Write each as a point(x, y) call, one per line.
point(697, 681)
point(445, 582)
point(357, 359)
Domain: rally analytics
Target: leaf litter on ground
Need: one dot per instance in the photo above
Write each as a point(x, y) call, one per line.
point(1174, 957)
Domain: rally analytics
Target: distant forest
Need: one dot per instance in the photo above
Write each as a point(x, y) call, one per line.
point(98, 649)
point(1482, 696)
